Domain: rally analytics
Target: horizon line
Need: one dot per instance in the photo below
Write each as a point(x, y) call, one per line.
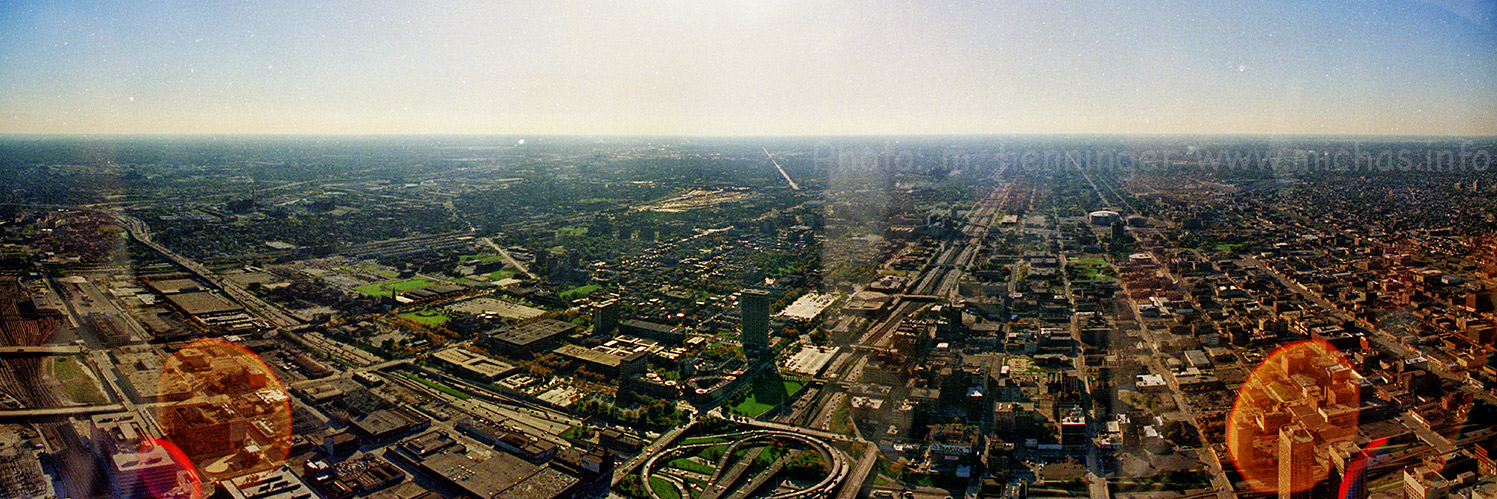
point(214, 135)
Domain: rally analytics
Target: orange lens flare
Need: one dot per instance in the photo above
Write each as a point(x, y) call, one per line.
point(225, 409)
point(1299, 402)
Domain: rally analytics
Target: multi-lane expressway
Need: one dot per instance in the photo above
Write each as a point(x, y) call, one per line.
point(141, 232)
point(729, 471)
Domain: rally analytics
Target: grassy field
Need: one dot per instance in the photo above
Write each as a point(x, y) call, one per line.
point(571, 231)
point(1230, 248)
point(399, 286)
point(703, 440)
point(427, 317)
point(664, 489)
point(841, 417)
point(480, 258)
point(75, 383)
point(1089, 269)
point(689, 465)
point(714, 452)
point(765, 394)
point(579, 292)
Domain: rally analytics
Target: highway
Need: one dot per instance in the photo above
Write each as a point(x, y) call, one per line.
point(649, 451)
point(941, 275)
point(31, 415)
point(142, 233)
point(854, 485)
point(776, 164)
point(725, 476)
point(508, 259)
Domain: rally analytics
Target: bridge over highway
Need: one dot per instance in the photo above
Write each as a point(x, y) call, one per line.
point(32, 415)
point(13, 351)
point(725, 477)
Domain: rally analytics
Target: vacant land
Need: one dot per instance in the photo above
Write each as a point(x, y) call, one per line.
point(76, 384)
point(480, 258)
point(398, 286)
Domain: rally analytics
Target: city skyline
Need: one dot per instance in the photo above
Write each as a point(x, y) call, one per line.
point(745, 69)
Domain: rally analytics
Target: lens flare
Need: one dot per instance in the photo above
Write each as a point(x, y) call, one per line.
point(224, 409)
point(186, 476)
point(1354, 484)
point(1301, 400)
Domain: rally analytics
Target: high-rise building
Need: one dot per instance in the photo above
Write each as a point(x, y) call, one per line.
point(605, 317)
point(754, 308)
point(1297, 467)
point(149, 472)
point(136, 466)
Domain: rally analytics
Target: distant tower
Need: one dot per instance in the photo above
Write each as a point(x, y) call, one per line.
point(605, 317)
point(754, 307)
point(543, 261)
point(1297, 467)
point(952, 313)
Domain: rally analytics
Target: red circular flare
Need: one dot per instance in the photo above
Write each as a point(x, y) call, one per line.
point(187, 479)
point(1356, 472)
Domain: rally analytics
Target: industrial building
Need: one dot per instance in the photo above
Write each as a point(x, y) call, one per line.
point(441, 456)
point(278, 484)
point(473, 364)
point(654, 331)
point(613, 363)
point(530, 336)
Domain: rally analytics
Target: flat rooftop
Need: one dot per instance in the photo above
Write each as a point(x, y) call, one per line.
point(808, 306)
point(475, 363)
point(203, 303)
point(653, 327)
point(533, 332)
point(173, 286)
point(596, 356)
point(501, 475)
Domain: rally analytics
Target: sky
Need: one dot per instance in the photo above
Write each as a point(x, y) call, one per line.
point(749, 67)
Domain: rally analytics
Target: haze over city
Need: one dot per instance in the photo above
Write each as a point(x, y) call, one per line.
point(748, 250)
point(749, 68)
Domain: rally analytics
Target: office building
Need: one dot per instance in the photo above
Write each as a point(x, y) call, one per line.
point(754, 308)
point(605, 317)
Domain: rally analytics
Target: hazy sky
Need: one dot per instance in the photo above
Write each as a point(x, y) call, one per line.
point(749, 67)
